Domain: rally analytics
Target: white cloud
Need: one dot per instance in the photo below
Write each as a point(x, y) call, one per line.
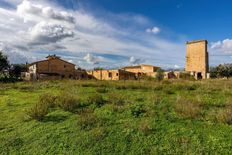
point(30, 12)
point(93, 59)
point(135, 61)
point(224, 46)
point(154, 30)
point(45, 33)
point(50, 27)
point(176, 66)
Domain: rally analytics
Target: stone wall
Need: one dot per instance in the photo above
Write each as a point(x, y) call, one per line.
point(197, 58)
point(111, 75)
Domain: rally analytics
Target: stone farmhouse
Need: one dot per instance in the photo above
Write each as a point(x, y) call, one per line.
point(197, 59)
point(125, 73)
point(141, 70)
point(118, 74)
point(53, 68)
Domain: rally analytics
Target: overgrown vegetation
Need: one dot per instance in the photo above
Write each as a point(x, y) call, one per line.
point(116, 117)
point(10, 72)
point(221, 71)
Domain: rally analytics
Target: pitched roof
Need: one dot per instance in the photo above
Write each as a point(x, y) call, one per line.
point(139, 66)
point(51, 59)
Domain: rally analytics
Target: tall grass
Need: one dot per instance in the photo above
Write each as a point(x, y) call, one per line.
point(41, 108)
point(188, 108)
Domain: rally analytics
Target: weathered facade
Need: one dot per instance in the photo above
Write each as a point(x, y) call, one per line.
point(53, 68)
point(197, 59)
point(140, 70)
point(172, 75)
point(111, 75)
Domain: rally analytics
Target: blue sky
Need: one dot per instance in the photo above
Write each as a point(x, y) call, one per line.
point(111, 34)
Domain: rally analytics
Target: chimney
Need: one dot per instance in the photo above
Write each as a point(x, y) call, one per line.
point(49, 57)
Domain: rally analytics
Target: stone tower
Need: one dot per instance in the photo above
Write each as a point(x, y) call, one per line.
point(197, 59)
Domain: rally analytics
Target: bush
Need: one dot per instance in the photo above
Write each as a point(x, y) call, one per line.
point(68, 102)
point(48, 99)
point(41, 108)
point(137, 110)
point(96, 99)
point(186, 76)
point(88, 121)
point(159, 75)
point(38, 111)
point(117, 99)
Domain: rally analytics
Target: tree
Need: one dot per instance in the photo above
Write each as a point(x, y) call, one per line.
point(4, 64)
point(160, 75)
point(16, 70)
point(220, 71)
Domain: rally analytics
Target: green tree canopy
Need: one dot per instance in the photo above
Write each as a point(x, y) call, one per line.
point(222, 70)
point(4, 64)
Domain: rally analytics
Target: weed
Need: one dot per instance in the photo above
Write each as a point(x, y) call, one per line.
point(224, 116)
point(68, 102)
point(48, 99)
point(117, 99)
point(137, 109)
point(38, 111)
point(99, 133)
point(88, 121)
point(41, 108)
point(145, 127)
point(96, 99)
point(187, 108)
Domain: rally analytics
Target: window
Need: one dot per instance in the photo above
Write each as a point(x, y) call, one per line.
point(110, 75)
point(116, 74)
point(64, 66)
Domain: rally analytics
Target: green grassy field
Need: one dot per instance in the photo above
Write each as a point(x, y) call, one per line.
point(131, 117)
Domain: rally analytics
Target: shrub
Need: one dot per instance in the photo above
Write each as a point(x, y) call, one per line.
point(187, 108)
point(146, 78)
point(117, 99)
point(186, 76)
point(41, 108)
point(159, 75)
point(48, 99)
point(96, 99)
point(68, 102)
point(38, 111)
point(137, 110)
point(88, 121)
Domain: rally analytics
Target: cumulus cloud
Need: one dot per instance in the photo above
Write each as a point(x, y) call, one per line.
point(31, 12)
point(36, 27)
point(45, 33)
point(135, 61)
point(14, 54)
point(154, 30)
point(93, 59)
point(222, 46)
